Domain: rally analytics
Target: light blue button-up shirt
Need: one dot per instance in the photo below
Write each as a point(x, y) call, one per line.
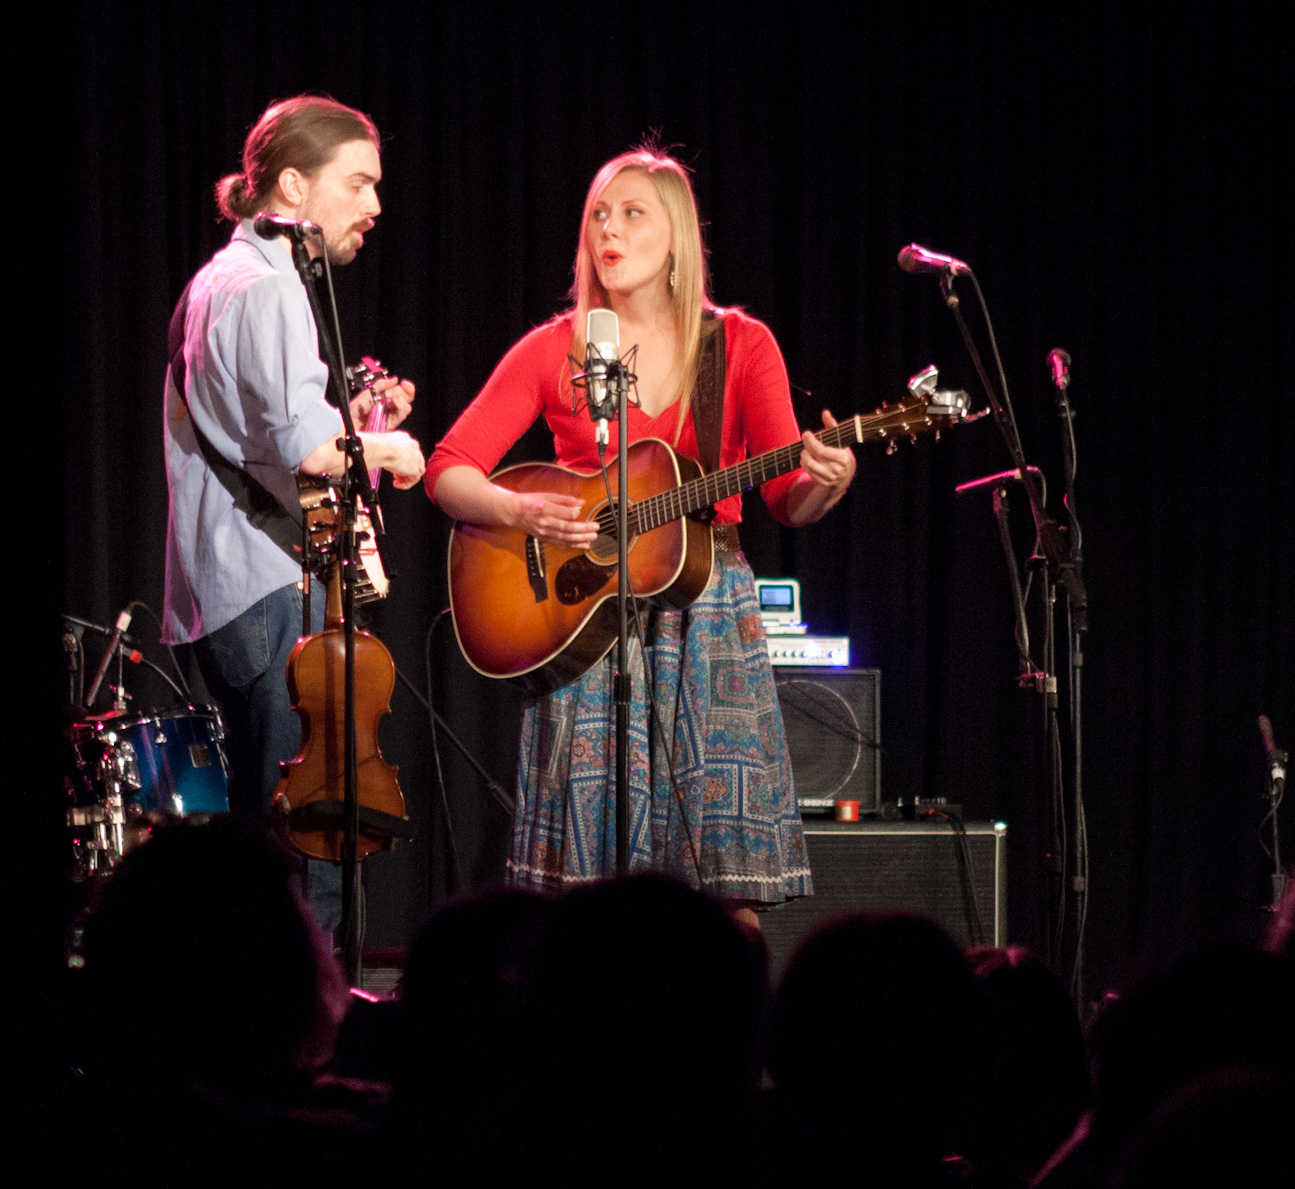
point(255, 386)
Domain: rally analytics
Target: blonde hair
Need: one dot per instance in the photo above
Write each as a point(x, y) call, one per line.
point(689, 295)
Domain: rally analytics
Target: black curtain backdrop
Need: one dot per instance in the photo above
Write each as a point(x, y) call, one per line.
point(1111, 177)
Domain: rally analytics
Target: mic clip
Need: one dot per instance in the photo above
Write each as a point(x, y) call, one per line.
point(610, 377)
point(946, 288)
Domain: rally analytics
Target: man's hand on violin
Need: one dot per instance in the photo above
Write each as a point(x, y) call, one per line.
point(397, 394)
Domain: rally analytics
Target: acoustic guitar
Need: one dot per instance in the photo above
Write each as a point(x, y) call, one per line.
point(540, 615)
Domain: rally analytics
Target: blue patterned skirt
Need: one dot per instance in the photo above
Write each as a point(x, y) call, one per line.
point(721, 737)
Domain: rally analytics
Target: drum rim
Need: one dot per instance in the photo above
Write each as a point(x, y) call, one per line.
point(97, 723)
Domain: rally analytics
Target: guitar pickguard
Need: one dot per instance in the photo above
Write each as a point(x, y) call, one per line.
point(578, 579)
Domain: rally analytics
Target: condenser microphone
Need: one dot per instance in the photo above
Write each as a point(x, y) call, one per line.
point(1266, 730)
point(1276, 756)
point(270, 226)
point(123, 622)
point(1059, 366)
point(602, 350)
point(916, 258)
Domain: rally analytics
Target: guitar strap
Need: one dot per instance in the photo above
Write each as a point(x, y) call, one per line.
point(263, 511)
point(708, 395)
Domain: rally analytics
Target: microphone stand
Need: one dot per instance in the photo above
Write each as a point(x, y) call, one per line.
point(1274, 790)
point(1058, 565)
point(622, 679)
point(618, 398)
point(1022, 629)
point(355, 485)
point(72, 663)
point(612, 403)
point(1072, 578)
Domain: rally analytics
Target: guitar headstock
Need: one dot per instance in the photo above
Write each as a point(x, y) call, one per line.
point(926, 407)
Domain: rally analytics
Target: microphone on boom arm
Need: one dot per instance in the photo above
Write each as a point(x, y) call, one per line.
point(916, 258)
point(270, 226)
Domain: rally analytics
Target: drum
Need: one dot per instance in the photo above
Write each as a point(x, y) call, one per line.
point(128, 773)
point(180, 759)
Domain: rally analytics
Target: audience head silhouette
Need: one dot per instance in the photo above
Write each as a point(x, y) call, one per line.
point(202, 965)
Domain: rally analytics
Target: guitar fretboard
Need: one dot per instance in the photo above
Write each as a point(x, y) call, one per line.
point(910, 417)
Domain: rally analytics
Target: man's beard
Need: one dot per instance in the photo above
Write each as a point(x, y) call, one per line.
point(339, 250)
point(340, 253)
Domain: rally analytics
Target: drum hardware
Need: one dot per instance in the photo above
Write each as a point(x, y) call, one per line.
point(126, 772)
point(129, 774)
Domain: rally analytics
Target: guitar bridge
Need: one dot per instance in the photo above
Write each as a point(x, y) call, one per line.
point(535, 569)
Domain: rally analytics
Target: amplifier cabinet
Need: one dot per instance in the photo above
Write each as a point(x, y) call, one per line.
point(833, 720)
point(913, 867)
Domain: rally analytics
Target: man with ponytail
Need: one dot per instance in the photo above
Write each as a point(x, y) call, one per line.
point(245, 413)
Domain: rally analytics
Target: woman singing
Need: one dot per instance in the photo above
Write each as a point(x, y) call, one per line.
point(709, 754)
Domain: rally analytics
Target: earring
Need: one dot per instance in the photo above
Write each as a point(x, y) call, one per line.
point(672, 278)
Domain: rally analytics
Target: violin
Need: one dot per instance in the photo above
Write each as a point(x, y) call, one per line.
point(310, 796)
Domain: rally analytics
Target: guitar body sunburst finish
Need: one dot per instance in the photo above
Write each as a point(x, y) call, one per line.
point(540, 615)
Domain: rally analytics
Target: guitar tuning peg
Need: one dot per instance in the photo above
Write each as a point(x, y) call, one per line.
point(892, 446)
point(937, 435)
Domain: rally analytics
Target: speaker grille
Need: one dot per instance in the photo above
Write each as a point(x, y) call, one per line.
point(833, 720)
point(915, 867)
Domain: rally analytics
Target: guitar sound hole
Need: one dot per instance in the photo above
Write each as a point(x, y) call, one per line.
point(603, 550)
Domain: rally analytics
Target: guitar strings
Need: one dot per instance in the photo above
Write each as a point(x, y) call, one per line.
point(706, 490)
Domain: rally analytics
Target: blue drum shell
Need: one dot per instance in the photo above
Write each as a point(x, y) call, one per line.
point(181, 758)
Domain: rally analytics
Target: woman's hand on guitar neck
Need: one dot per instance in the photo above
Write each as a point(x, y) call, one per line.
point(829, 471)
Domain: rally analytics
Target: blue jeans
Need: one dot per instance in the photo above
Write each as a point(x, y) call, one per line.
point(243, 665)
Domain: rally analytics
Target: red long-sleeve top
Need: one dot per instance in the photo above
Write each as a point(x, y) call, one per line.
point(534, 379)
